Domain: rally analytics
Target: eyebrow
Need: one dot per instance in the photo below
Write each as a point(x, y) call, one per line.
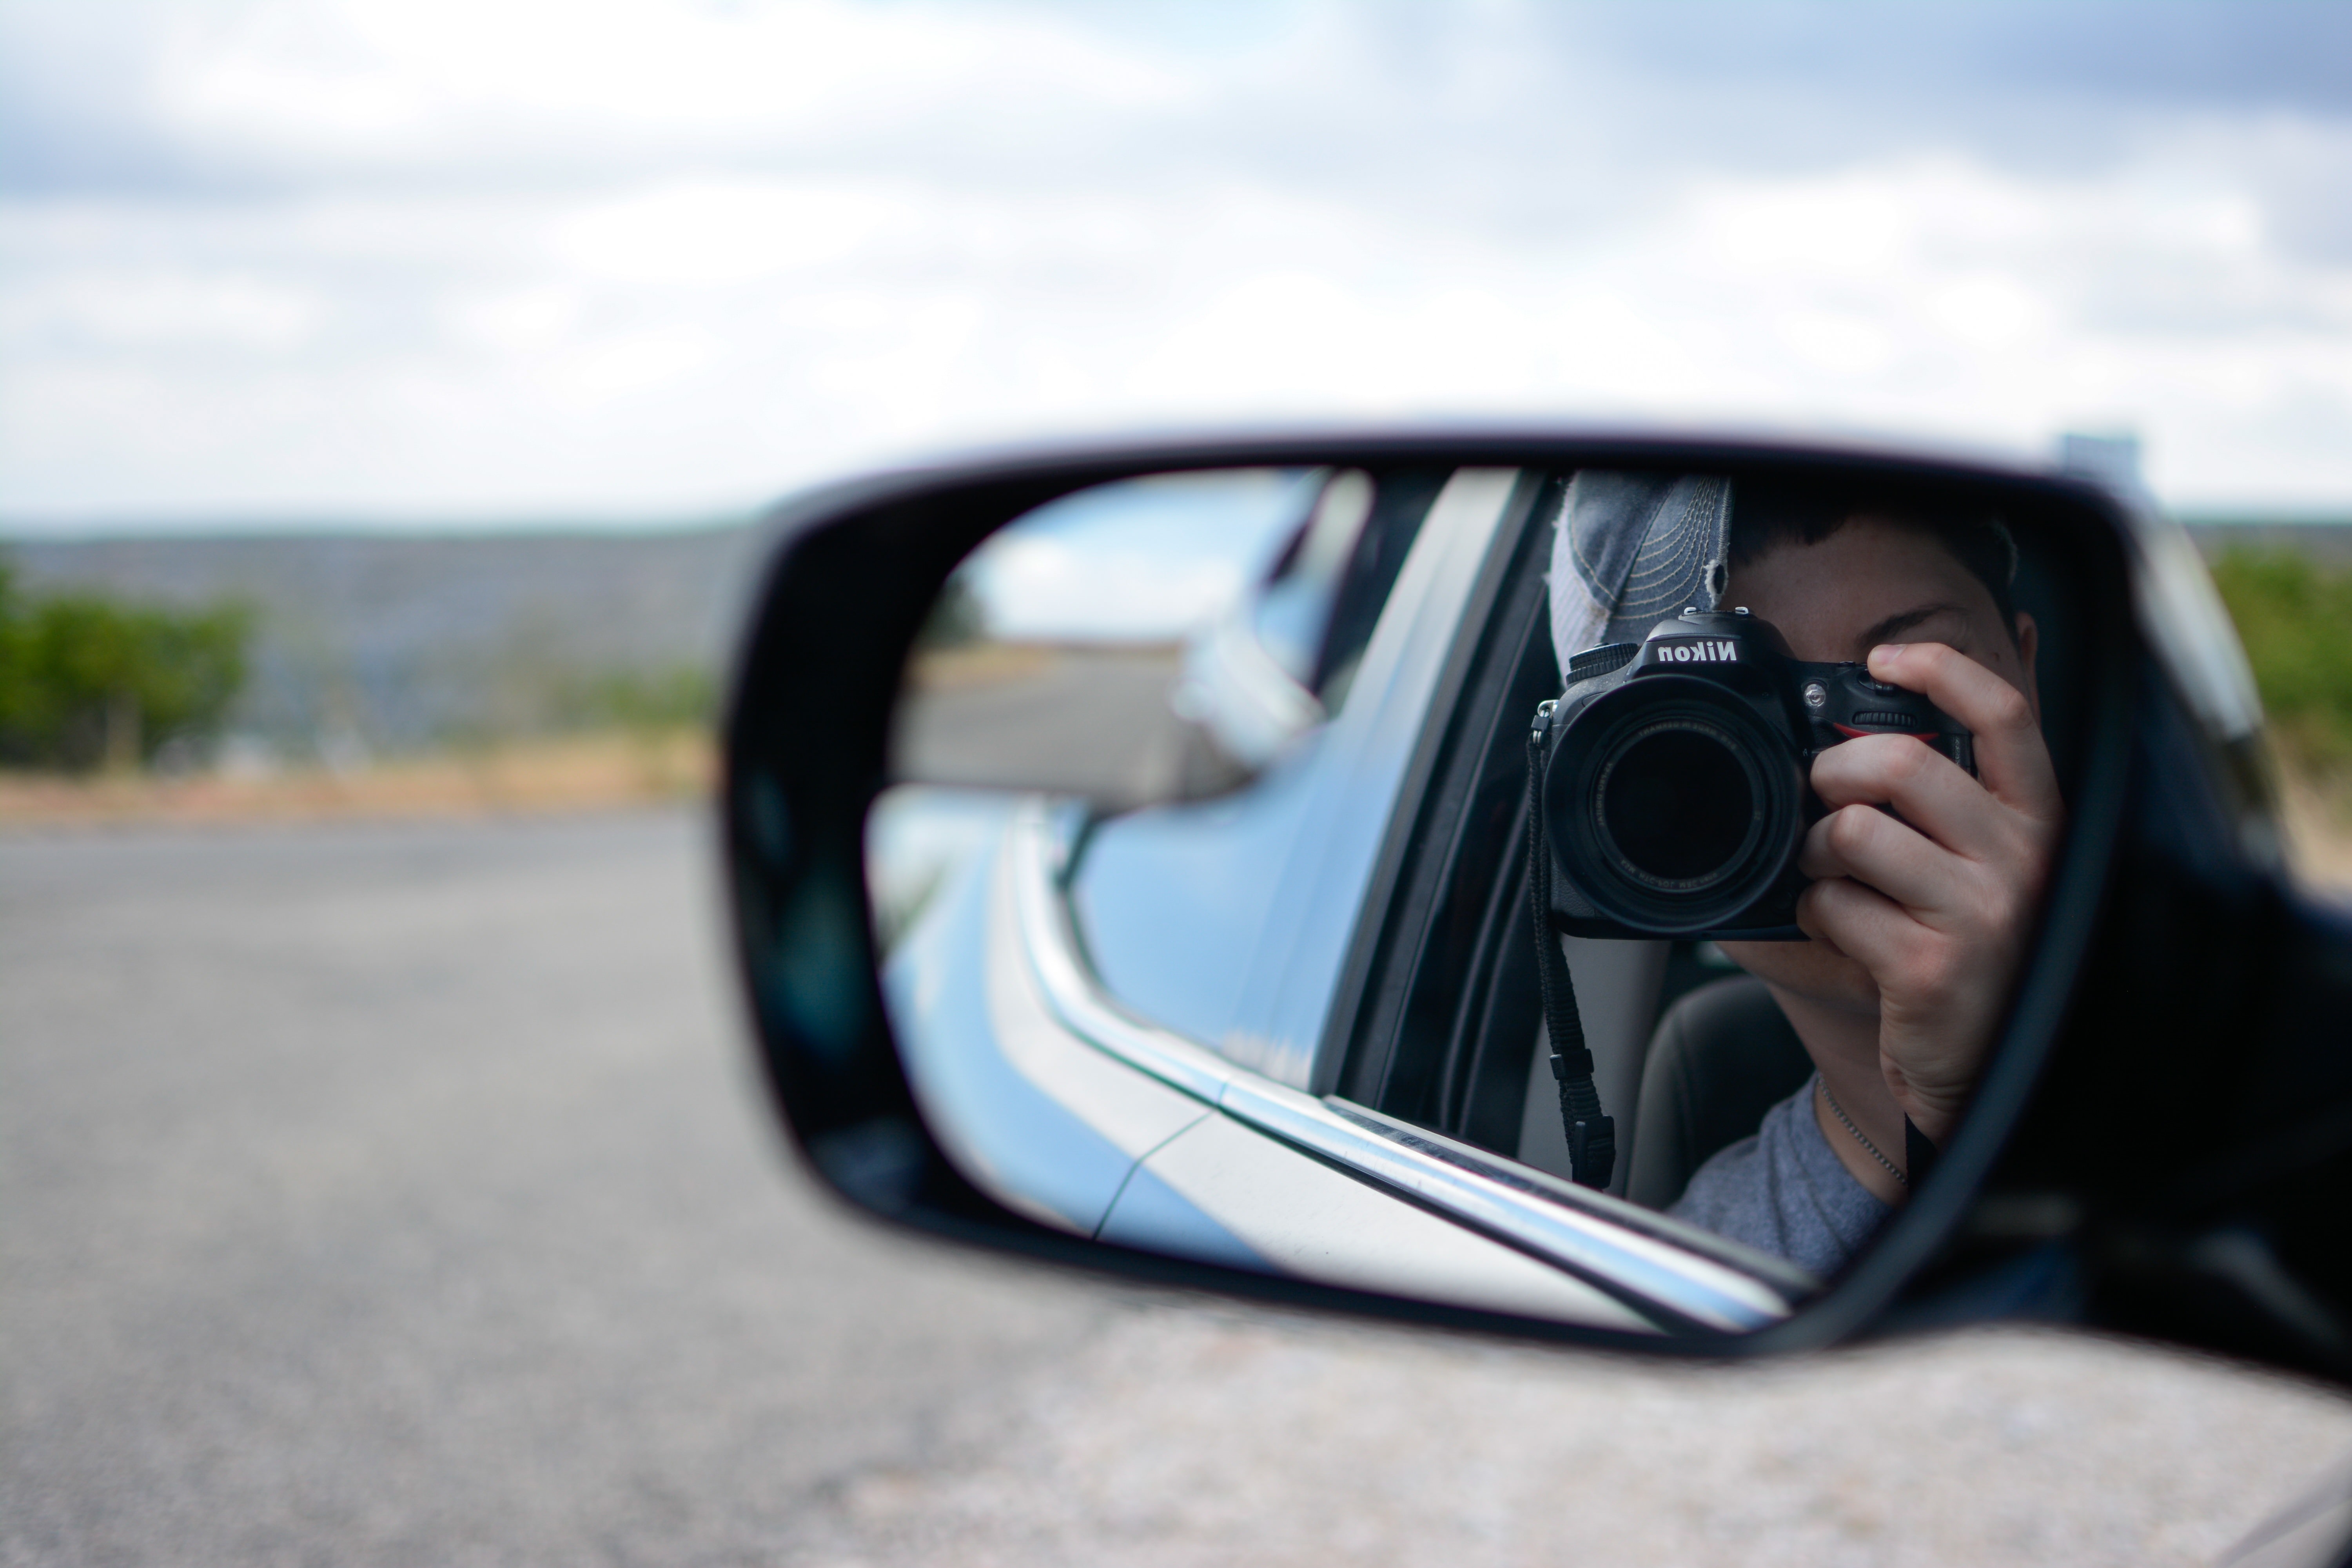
point(1896, 625)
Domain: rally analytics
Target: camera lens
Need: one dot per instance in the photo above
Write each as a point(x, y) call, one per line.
point(1677, 805)
point(1671, 807)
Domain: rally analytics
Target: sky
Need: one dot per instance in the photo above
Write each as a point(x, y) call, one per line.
point(471, 262)
point(1139, 561)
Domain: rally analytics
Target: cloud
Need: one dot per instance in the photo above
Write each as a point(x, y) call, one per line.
point(290, 95)
point(303, 257)
point(1044, 588)
point(1145, 560)
point(2166, 54)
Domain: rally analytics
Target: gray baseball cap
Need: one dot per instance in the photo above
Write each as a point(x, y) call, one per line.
point(1631, 549)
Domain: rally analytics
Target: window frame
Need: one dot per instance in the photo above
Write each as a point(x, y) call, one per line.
point(1442, 961)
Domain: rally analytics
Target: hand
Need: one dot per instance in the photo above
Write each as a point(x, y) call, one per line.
point(1937, 901)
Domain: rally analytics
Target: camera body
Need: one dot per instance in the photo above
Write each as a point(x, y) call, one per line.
point(1674, 786)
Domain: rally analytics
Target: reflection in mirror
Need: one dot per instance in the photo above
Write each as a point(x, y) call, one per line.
point(1776, 766)
point(1056, 657)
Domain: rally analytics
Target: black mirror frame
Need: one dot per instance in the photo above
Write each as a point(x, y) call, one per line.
point(2031, 1212)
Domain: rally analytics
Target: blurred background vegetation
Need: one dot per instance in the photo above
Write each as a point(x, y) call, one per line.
point(88, 682)
point(2294, 611)
point(259, 657)
point(116, 679)
point(343, 656)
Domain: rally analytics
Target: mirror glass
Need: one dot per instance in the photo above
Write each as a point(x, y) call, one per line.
point(1055, 659)
point(1243, 964)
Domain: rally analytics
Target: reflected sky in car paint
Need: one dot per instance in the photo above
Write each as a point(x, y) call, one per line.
point(917, 835)
point(1142, 560)
point(1028, 1143)
point(1024, 1145)
point(1173, 902)
point(1152, 1217)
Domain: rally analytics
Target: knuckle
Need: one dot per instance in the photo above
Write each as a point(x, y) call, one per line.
point(1848, 827)
point(2007, 709)
point(1835, 762)
point(1988, 901)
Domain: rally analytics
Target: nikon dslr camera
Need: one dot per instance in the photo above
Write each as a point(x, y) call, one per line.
point(1673, 775)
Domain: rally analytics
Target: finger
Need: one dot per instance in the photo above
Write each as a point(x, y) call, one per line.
point(2013, 759)
point(1866, 844)
point(1938, 1001)
point(1931, 793)
point(1861, 922)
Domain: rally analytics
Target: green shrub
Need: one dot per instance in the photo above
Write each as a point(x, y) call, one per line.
point(2294, 617)
point(88, 682)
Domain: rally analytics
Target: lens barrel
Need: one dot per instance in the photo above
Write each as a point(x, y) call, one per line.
point(1671, 807)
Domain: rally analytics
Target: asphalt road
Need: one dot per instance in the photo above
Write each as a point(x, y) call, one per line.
point(398, 1196)
point(1075, 720)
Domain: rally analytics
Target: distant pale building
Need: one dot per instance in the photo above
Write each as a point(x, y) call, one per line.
point(2112, 460)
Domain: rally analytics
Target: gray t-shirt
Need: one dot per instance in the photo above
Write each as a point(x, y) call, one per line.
point(1783, 1191)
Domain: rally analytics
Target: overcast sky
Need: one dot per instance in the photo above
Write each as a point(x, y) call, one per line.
point(502, 259)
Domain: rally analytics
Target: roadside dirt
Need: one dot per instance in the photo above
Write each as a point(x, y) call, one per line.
point(616, 771)
point(590, 772)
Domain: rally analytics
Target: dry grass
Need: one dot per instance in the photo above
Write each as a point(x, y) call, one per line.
point(979, 664)
point(1005, 663)
point(586, 773)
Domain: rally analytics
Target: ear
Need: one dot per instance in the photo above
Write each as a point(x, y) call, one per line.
point(2029, 637)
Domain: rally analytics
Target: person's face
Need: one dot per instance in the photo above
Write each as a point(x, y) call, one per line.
point(1872, 582)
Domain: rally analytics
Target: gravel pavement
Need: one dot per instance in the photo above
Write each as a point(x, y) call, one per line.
point(396, 1195)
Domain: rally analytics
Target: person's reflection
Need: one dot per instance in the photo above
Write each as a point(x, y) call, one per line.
point(1918, 920)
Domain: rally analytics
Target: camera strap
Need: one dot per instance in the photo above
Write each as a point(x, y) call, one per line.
point(1592, 1137)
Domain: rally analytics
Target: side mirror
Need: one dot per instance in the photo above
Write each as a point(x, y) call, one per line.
point(1221, 964)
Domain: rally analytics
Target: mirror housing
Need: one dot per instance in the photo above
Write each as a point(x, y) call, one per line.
point(2161, 1144)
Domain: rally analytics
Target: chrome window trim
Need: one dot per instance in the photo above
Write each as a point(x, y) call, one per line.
point(1638, 1259)
point(1793, 1284)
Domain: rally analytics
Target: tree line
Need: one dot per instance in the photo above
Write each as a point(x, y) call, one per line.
point(88, 682)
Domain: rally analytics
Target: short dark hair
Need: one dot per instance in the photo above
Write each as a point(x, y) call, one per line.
point(1767, 515)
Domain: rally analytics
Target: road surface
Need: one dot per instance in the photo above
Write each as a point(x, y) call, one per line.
point(396, 1195)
